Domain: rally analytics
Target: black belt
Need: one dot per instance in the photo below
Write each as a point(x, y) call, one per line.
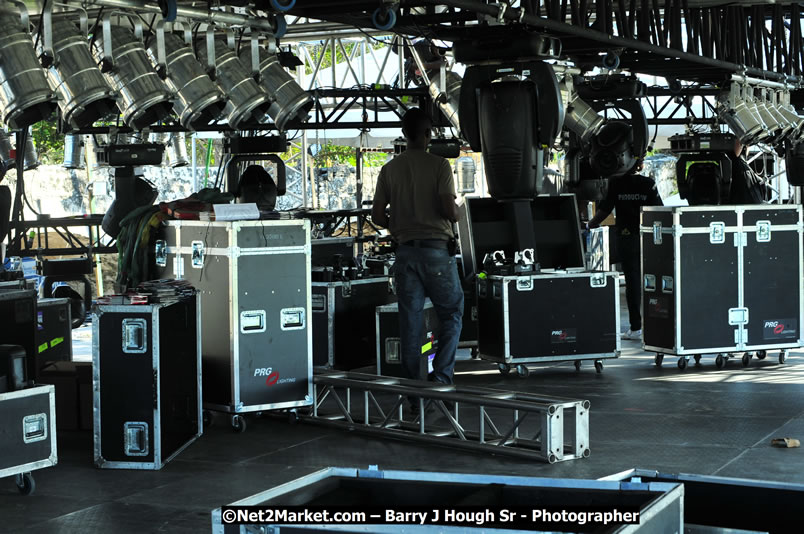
point(427, 243)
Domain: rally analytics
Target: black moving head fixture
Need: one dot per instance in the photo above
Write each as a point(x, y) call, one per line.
point(612, 151)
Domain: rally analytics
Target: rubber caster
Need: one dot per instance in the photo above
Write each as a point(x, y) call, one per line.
point(238, 423)
point(761, 354)
point(783, 356)
point(504, 368)
point(383, 19)
point(577, 365)
point(720, 361)
point(658, 359)
point(293, 417)
point(206, 418)
point(25, 483)
point(697, 359)
point(475, 353)
point(682, 363)
point(746, 359)
point(599, 366)
point(522, 371)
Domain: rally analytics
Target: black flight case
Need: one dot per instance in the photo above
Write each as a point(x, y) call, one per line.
point(146, 382)
point(721, 280)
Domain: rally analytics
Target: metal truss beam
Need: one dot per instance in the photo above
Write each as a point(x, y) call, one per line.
point(477, 419)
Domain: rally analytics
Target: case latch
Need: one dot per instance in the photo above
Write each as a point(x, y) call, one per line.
point(598, 280)
point(717, 233)
point(524, 284)
point(392, 349)
point(252, 321)
point(197, 258)
point(738, 316)
point(657, 232)
point(763, 231)
point(292, 319)
point(161, 253)
point(318, 303)
point(667, 284)
point(135, 340)
point(135, 438)
point(650, 282)
point(34, 428)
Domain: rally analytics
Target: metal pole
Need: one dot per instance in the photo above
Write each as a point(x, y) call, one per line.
point(359, 176)
point(304, 168)
point(195, 163)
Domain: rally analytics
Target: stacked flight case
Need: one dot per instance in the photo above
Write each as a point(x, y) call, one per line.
point(562, 312)
point(254, 278)
point(27, 434)
point(344, 336)
point(721, 280)
point(146, 382)
point(389, 348)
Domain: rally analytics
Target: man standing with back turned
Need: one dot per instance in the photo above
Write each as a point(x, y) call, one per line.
point(421, 192)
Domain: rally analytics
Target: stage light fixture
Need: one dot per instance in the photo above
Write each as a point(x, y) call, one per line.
point(73, 152)
point(199, 100)
point(247, 100)
point(84, 94)
point(25, 96)
point(177, 150)
point(143, 97)
point(288, 100)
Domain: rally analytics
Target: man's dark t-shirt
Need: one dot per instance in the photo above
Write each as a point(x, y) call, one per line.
point(627, 194)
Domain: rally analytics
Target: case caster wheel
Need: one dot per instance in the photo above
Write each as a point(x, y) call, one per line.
point(761, 354)
point(293, 417)
point(475, 353)
point(238, 423)
point(746, 359)
point(697, 358)
point(682, 363)
point(522, 371)
point(658, 359)
point(598, 366)
point(25, 483)
point(577, 365)
point(504, 368)
point(783, 356)
point(206, 417)
point(720, 361)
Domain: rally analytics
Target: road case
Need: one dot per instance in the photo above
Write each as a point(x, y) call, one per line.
point(27, 434)
point(553, 316)
point(660, 504)
point(146, 377)
point(388, 343)
point(343, 312)
point(18, 317)
point(722, 279)
point(54, 330)
point(255, 279)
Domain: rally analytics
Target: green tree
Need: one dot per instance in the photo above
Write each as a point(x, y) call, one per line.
point(49, 142)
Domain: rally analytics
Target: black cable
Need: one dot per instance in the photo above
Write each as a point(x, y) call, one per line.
point(39, 26)
point(94, 28)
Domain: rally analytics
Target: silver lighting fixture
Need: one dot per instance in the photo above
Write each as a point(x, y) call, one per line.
point(247, 100)
point(449, 99)
point(25, 96)
point(582, 119)
point(288, 100)
point(84, 94)
point(465, 170)
point(73, 152)
point(199, 100)
point(774, 130)
point(790, 112)
point(143, 97)
point(177, 150)
point(737, 109)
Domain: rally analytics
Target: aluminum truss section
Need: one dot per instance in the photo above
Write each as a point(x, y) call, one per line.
point(476, 419)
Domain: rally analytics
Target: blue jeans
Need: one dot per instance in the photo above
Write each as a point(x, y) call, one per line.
point(420, 273)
